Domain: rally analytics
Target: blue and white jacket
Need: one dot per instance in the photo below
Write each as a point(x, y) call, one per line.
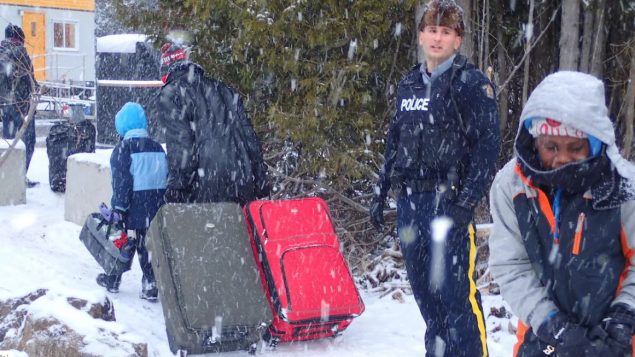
point(139, 170)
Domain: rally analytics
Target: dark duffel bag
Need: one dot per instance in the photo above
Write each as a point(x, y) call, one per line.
point(85, 134)
point(65, 139)
point(101, 239)
point(58, 145)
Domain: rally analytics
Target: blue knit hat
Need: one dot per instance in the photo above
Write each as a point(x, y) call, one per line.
point(130, 116)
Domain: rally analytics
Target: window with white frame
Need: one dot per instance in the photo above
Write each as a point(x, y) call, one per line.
point(64, 35)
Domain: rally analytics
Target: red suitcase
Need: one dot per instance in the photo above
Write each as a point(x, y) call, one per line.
point(310, 288)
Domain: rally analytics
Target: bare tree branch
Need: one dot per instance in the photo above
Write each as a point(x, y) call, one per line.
point(34, 99)
point(517, 66)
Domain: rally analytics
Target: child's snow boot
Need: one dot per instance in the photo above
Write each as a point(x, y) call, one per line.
point(149, 290)
point(110, 282)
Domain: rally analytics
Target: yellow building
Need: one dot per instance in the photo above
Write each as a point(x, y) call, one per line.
point(59, 36)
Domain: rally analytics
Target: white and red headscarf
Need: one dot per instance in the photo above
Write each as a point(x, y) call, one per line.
point(548, 126)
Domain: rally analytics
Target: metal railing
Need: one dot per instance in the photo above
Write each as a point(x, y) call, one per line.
point(58, 99)
point(62, 66)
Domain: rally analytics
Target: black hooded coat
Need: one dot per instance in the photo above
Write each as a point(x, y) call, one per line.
point(213, 152)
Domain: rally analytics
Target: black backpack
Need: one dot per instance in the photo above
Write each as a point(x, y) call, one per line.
point(64, 140)
point(8, 74)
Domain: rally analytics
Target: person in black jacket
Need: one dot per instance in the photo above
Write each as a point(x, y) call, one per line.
point(441, 151)
point(15, 107)
point(213, 152)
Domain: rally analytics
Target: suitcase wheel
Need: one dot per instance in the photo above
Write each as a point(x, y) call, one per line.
point(273, 342)
point(270, 341)
point(336, 331)
point(252, 348)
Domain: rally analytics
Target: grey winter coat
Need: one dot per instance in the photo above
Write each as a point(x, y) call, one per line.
point(592, 267)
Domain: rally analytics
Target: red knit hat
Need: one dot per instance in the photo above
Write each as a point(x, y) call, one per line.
point(170, 54)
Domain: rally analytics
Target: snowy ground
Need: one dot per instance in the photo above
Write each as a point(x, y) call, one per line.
point(38, 249)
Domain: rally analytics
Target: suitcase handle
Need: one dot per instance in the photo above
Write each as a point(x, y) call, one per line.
point(109, 223)
point(265, 234)
point(275, 298)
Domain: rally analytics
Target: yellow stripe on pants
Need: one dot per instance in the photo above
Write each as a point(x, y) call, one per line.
point(475, 305)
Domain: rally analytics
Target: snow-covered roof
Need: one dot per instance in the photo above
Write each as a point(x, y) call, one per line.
point(122, 43)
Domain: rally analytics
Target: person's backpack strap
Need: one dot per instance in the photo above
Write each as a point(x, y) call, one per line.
point(459, 62)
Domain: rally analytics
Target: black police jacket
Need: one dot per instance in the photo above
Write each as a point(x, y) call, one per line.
point(450, 123)
point(213, 152)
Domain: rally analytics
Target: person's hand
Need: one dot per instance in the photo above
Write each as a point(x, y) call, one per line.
point(603, 345)
point(176, 195)
point(263, 189)
point(620, 327)
point(568, 339)
point(461, 216)
point(111, 216)
point(105, 211)
point(118, 216)
point(377, 213)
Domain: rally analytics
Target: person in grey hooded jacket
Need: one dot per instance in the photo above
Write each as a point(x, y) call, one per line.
point(561, 247)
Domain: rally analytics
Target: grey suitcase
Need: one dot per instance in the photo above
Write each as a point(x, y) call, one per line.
point(209, 285)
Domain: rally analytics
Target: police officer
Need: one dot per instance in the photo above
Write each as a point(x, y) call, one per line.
point(441, 151)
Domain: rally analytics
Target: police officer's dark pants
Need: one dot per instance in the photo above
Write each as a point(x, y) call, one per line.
point(12, 119)
point(441, 277)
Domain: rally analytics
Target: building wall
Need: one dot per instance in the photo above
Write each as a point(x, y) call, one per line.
point(88, 5)
point(61, 64)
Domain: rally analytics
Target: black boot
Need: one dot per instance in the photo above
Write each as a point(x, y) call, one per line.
point(110, 282)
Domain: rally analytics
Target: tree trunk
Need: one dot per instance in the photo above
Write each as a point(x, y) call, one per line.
point(629, 116)
point(569, 30)
point(502, 74)
point(486, 28)
point(528, 40)
point(467, 47)
point(418, 13)
point(587, 37)
point(481, 37)
point(598, 48)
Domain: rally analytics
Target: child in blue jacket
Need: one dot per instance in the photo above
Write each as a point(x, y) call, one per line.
point(139, 171)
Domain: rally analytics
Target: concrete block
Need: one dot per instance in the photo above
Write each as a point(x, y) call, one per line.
point(88, 183)
point(12, 174)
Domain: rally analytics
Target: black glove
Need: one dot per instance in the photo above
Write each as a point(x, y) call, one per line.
point(620, 327)
point(377, 213)
point(568, 339)
point(176, 195)
point(263, 189)
point(603, 345)
point(461, 216)
point(119, 217)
